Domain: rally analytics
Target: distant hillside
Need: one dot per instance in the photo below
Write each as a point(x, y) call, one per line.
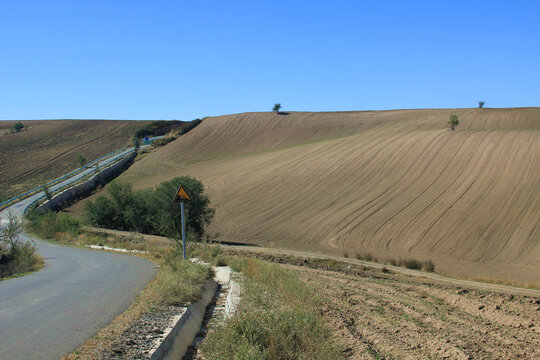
point(395, 184)
point(49, 148)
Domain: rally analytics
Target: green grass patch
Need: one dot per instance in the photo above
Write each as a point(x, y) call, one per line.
point(179, 281)
point(278, 319)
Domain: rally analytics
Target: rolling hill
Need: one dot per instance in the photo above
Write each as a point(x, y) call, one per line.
point(394, 184)
point(49, 148)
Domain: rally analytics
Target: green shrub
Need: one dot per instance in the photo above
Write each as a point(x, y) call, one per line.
point(48, 223)
point(151, 211)
point(18, 126)
point(453, 122)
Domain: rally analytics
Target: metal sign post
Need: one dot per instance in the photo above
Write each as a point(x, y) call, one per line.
point(183, 230)
point(182, 196)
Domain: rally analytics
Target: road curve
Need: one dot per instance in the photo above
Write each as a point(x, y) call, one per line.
point(49, 313)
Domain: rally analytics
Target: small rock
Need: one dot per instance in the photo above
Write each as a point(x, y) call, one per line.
point(497, 307)
point(157, 331)
point(480, 307)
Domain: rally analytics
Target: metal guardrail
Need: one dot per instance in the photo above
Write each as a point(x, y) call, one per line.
point(63, 176)
point(77, 180)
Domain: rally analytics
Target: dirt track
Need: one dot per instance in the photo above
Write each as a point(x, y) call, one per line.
point(395, 184)
point(389, 315)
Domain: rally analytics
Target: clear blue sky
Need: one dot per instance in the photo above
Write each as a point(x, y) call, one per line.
point(187, 59)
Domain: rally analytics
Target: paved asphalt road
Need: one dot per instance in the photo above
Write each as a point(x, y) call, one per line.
point(49, 313)
point(17, 209)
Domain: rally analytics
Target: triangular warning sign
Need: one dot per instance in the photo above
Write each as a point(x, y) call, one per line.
point(181, 195)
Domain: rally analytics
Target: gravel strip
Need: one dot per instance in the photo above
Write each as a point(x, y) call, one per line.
point(143, 335)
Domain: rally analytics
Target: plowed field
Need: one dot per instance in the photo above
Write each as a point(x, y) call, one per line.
point(392, 316)
point(395, 184)
point(49, 149)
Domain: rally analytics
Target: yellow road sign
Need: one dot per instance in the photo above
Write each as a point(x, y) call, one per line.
point(181, 195)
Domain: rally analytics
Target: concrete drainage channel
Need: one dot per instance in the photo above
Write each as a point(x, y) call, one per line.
point(220, 298)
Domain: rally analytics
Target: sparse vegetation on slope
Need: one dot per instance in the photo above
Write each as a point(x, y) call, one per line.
point(157, 128)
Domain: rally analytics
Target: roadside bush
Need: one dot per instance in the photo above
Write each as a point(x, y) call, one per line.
point(48, 224)
point(151, 211)
point(16, 256)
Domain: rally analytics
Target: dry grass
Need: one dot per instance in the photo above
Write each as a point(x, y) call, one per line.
point(394, 184)
point(49, 149)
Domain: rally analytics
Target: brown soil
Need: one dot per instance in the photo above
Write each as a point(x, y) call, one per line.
point(388, 315)
point(395, 184)
point(49, 149)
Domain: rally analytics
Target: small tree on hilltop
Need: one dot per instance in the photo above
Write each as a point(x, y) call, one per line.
point(276, 108)
point(453, 122)
point(81, 160)
point(481, 104)
point(18, 126)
